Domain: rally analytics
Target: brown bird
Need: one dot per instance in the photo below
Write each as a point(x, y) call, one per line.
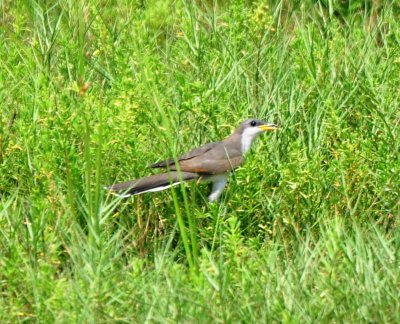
point(211, 162)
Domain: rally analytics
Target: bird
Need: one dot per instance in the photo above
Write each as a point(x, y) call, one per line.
point(211, 162)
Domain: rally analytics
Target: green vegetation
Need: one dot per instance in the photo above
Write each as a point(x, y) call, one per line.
point(94, 91)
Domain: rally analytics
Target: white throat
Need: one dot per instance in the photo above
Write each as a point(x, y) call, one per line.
point(248, 136)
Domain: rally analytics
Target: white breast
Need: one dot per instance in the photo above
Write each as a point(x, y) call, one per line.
point(248, 136)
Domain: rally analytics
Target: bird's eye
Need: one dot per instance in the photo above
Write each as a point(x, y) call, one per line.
point(253, 123)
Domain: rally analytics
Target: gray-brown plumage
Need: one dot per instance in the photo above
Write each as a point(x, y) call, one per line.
point(211, 162)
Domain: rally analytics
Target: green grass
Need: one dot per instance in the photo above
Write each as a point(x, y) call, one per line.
point(92, 92)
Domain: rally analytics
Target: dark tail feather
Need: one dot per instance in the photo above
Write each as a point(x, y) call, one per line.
point(152, 183)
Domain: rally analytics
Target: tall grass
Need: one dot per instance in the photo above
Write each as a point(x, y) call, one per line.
point(94, 92)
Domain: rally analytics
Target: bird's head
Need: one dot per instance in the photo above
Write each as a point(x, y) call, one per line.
point(255, 127)
point(250, 129)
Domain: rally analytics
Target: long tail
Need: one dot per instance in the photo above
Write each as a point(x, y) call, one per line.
point(151, 183)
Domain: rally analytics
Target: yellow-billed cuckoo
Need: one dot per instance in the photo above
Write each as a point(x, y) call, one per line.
point(211, 162)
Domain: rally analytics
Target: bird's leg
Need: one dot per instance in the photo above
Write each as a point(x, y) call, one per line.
point(219, 182)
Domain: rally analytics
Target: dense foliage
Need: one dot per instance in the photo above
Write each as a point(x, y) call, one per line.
point(94, 91)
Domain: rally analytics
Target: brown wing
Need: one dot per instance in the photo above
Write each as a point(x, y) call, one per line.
point(221, 158)
point(210, 166)
point(190, 155)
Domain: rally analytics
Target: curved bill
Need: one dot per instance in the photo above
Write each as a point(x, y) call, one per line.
point(268, 127)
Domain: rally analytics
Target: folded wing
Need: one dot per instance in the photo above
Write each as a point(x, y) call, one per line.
point(213, 158)
point(194, 153)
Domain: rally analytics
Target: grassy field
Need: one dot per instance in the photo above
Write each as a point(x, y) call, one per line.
point(92, 92)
